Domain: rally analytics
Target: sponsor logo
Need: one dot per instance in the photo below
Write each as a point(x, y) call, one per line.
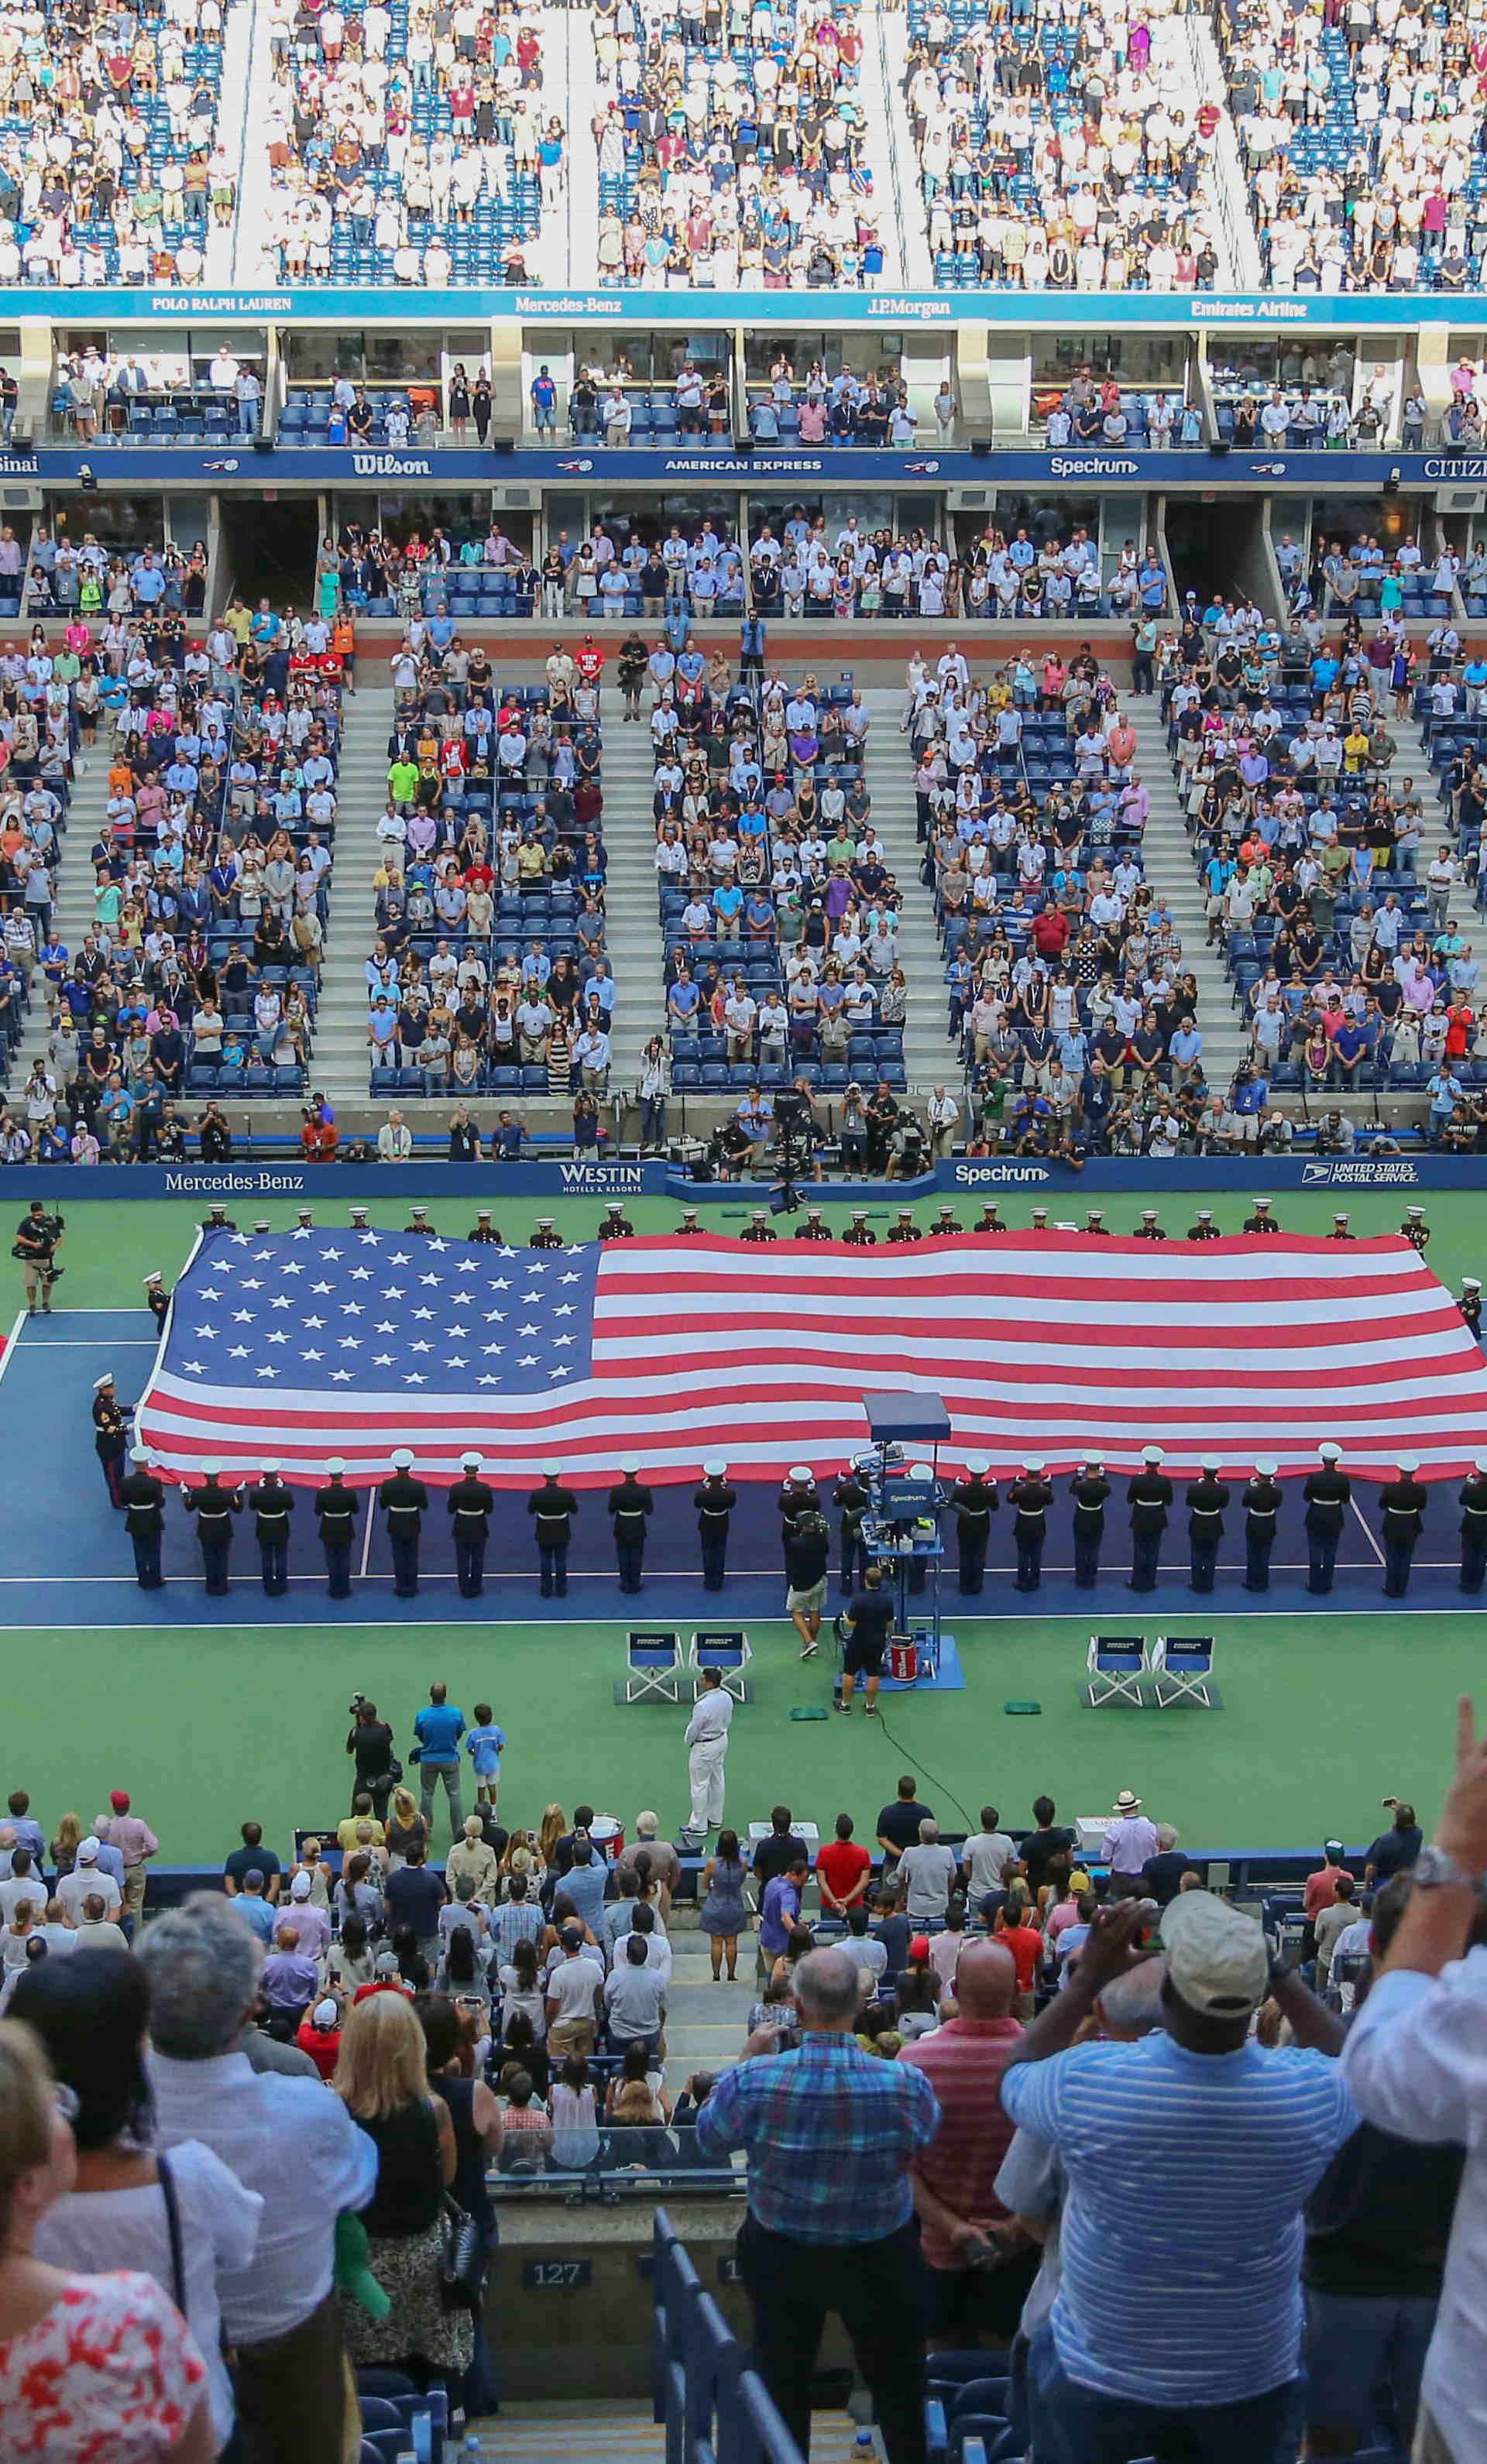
point(1378, 1172)
point(389, 466)
point(585, 462)
point(226, 1182)
point(564, 303)
point(997, 1176)
point(923, 312)
point(223, 304)
point(19, 458)
point(1456, 465)
point(1268, 469)
point(1091, 466)
point(706, 466)
point(231, 463)
point(925, 466)
point(603, 1180)
point(1243, 312)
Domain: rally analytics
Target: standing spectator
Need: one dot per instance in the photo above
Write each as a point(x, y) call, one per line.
point(438, 1730)
point(1130, 1838)
point(283, 2138)
point(103, 2360)
point(1195, 2148)
point(90, 2015)
point(1393, 1849)
point(975, 2258)
point(136, 1842)
point(382, 2077)
point(831, 2134)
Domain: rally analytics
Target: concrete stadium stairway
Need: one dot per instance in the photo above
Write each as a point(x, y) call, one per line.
point(1168, 856)
point(72, 914)
point(929, 1058)
point(342, 1061)
point(632, 916)
point(705, 2023)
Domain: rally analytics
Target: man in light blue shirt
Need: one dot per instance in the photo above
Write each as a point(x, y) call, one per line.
point(1190, 2157)
point(438, 1730)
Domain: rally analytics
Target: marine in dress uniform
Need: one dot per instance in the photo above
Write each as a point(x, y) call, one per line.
point(1327, 1494)
point(1261, 1220)
point(860, 1233)
point(1206, 1498)
point(217, 1219)
point(213, 1507)
point(552, 1509)
point(1415, 1229)
point(142, 1496)
point(1261, 1503)
point(1340, 1230)
point(798, 1495)
point(1094, 1225)
point(469, 1502)
point(1205, 1229)
point(1089, 1490)
point(852, 1501)
point(689, 1228)
point(1148, 1496)
point(1029, 1497)
point(545, 1237)
point(304, 1216)
point(946, 1223)
point(813, 1228)
point(1040, 1222)
point(715, 1502)
point(484, 1231)
point(1472, 1502)
point(110, 1433)
point(616, 1224)
point(157, 1300)
point(1148, 1228)
point(630, 1503)
point(906, 1229)
point(336, 1505)
point(1402, 1504)
point(272, 1505)
point(974, 1501)
point(1470, 1305)
point(404, 1501)
point(759, 1227)
point(990, 1217)
point(419, 1223)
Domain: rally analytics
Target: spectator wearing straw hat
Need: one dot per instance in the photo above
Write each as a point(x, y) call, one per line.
point(1130, 1838)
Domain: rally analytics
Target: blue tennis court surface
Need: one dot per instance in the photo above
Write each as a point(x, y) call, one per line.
point(68, 1562)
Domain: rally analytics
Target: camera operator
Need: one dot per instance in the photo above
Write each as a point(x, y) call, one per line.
point(371, 1742)
point(907, 1156)
point(37, 1238)
point(799, 1135)
point(214, 1137)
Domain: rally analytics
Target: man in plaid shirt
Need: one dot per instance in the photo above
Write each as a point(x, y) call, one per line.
point(831, 2133)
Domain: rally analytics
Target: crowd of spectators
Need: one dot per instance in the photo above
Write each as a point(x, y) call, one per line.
point(104, 395)
point(1328, 883)
point(404, 146)
point(1062, 156)
point(730, 146)
point(112, 164)
point(1361, 131)
point(488, 969)
point(1068, 998)
point(325, 2054)
point(198, 973)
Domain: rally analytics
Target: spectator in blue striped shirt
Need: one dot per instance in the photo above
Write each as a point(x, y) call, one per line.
point(518, 1919)
point(1189, 2157)
point(831, 2133)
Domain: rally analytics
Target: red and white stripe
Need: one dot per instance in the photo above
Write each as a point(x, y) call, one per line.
point(1050, 1344)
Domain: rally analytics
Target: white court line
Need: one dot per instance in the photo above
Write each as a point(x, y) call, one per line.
point(366, 1535)
point(12, 1339)
point(90, 1342)
point(1363, 1528)
point(401, 1625)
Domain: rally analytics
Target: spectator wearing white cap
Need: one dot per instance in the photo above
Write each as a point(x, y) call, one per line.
point(1328, 1494)
point(337, 1506)
point(405, 1501)
point(1206, 1498)
point(974, 1501)
point(1192, 2149)
point(1148, 1496)
point(1261, 1503)
point(1130, 1838)
point(272, 1503)
point(1402, 1504)
point(469, 1502)
point(1030, 1497)
point(87, 1880)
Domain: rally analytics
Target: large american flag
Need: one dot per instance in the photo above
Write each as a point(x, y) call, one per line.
point(308, 1344)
